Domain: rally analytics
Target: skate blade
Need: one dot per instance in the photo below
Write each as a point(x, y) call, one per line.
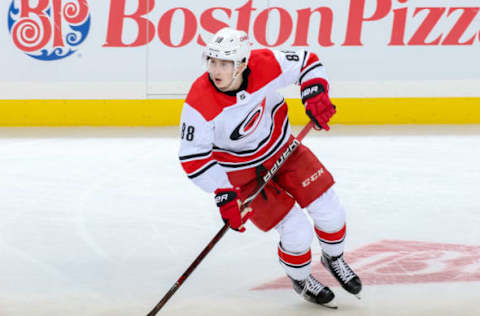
point(330, 305)
point(358, 296)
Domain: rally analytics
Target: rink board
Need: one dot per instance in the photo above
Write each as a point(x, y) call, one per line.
point(115, 67)
point(166, 112)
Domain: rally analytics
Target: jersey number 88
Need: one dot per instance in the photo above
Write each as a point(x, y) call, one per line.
point(187, 132)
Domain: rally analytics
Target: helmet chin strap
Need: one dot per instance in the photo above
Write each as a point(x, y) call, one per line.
point(234, 78)
point(230, 86)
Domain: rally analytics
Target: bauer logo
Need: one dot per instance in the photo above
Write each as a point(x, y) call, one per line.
point(48, 29)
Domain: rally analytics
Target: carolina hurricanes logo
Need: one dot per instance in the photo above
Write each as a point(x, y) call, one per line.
point(48, 29)
point(249, 123)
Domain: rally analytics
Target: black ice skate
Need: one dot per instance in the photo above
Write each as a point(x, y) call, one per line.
point(343, 273)
point(314, 291)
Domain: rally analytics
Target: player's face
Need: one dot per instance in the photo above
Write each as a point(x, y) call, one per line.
point(221, 72)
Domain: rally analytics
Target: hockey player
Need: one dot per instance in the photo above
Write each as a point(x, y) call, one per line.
point(234, 126)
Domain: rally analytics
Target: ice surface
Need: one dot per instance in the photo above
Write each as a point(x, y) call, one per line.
point(102, 221)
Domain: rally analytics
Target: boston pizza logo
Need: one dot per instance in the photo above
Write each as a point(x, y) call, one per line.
point(48, 29)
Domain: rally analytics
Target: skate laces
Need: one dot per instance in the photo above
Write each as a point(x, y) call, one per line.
point(312, 285)
point(342, 269)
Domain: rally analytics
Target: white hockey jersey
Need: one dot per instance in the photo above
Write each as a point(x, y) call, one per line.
point(222, 132)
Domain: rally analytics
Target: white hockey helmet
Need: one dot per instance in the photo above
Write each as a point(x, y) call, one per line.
point(228, 44)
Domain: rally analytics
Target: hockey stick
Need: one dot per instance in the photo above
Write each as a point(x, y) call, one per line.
point(266, 179)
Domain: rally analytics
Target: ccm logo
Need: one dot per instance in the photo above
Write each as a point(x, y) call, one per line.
point(312, 178)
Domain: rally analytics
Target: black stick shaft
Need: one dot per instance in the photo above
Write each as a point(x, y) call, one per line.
point(224, 229)
point(190, 269)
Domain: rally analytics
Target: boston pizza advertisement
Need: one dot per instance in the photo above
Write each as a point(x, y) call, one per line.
point(81, 49)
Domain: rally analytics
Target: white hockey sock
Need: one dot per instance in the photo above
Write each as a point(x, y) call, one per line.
point(328, 216)
point(296, 264)
point(332, 243)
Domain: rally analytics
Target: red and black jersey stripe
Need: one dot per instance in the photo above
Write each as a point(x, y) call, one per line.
point(308, 65)
point(195, 165)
